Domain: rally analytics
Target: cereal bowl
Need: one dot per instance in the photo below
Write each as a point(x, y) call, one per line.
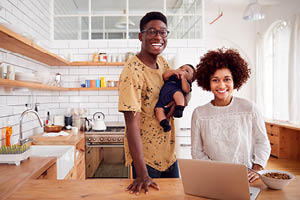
point(276, 179)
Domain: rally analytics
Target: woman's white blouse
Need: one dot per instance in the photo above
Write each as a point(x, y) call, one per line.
point(235, 133)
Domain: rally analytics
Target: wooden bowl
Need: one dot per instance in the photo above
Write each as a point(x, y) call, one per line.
point(53, 128)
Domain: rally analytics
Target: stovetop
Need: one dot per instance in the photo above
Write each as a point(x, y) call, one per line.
point(109, 130)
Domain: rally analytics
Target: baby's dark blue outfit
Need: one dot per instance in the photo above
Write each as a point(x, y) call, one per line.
point(172, 85)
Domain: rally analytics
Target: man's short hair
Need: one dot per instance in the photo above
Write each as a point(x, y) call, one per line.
point(152, 16)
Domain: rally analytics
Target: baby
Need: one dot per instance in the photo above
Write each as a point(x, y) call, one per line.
point(178, 83)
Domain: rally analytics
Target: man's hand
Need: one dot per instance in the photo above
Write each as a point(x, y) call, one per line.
point(172, 105)
point(142, 183)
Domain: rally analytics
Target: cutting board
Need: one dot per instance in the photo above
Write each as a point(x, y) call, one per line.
point(71, 139)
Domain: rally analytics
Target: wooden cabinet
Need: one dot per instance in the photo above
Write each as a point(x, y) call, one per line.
point(284, 139)
point(50, 173)
point(93, 157)
point(80, 159)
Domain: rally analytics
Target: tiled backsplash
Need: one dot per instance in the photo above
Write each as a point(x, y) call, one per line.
point(58, 102)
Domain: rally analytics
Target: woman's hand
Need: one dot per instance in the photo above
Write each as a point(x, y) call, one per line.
point(142, 183)
point(252, 176)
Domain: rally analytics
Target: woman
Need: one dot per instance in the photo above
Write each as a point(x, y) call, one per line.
point(228, 128)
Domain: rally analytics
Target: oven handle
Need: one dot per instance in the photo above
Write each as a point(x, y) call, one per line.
point(104, 145)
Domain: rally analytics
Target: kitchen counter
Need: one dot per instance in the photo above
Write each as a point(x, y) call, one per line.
point(13, 176)
point(115, 189)
point(71, 139)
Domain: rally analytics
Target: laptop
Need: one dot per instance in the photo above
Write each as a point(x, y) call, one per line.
point(216, 180)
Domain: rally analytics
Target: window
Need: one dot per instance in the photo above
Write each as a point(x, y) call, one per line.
point(277, 76)
point(119, 19)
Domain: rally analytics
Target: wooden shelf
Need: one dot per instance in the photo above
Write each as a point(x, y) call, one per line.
point(97, 63)
point(104, 88)
point(16, 43)
point(23, 84)
point(38, 86)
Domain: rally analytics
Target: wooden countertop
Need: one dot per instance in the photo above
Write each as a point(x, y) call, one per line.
point(284, 124)
point(115, 189)
point(71, 139)
point(13, 176)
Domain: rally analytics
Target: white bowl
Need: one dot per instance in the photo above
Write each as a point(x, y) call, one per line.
point(275, 183)
point(28, 77)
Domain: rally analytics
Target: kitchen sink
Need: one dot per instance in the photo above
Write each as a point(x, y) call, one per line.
point(64, 156)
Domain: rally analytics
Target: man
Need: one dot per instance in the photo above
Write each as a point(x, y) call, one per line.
point(151, 150)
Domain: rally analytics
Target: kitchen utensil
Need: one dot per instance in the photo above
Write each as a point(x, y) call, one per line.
point(98, 123)
point(53, 128)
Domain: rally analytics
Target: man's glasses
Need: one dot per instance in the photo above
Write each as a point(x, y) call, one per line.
point(153, 32)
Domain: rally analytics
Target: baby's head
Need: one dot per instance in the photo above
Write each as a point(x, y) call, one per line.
point(189, 72)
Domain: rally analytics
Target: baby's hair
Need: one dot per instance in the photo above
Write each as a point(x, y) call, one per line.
point(194, 71)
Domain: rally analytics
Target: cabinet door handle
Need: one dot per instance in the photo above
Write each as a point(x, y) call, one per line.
point(272, 134)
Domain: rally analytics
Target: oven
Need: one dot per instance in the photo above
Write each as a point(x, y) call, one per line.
point(105, 157)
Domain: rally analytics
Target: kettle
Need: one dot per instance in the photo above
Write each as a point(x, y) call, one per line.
point(98, 123)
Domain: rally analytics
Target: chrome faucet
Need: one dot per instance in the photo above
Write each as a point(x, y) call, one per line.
point(21, 140)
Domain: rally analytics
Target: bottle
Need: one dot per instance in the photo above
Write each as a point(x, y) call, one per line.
point(102, 82)
point(48, 118)
point(2, 132)
point(8, 133)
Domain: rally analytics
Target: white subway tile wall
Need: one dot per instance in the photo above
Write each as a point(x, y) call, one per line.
point(12, 101)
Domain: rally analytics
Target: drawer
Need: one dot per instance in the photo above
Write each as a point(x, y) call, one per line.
point(274, 150)
point(274, 139)
point(271, 128)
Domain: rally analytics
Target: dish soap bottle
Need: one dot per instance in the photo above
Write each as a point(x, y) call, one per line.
point(8, 134)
